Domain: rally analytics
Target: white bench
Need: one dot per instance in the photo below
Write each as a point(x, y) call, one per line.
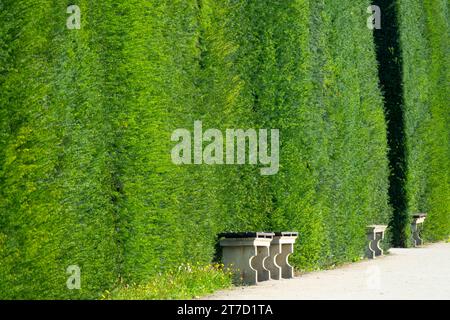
point(244, 253)
point(258, 256)
point(416, 227)
point(375, 233)
point(281, 247)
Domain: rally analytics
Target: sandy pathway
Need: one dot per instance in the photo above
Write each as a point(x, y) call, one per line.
point(416, 273)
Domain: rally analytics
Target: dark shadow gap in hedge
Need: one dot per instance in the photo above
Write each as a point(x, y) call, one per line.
point(388, 51)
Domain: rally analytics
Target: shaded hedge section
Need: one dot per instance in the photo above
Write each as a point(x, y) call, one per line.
point(86, 117)
point(413, 50)
point(425, 43)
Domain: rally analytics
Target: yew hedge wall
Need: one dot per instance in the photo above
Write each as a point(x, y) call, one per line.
point(86, 117)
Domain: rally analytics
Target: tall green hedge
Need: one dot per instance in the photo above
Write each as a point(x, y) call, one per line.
point(425, 44)
point(55, 173)
point(86, 118)
point(324, 78)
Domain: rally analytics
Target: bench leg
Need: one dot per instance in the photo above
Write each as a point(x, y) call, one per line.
point(370, 253)
point(417, 240)
point(287, 271)
point(373, 247)
point(263, 274)
point(271, 263)
point(238, 259)
point(376, 244)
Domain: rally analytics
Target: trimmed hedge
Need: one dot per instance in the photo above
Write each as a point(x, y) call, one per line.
point(55, 174)
point(86, 117)
point(425, 44)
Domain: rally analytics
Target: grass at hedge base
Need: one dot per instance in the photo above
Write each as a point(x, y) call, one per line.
point(186, 282)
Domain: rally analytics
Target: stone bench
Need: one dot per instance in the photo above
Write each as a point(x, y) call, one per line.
point(375, 233)
point(281, 247)
point(416, 227)
point(244, 253)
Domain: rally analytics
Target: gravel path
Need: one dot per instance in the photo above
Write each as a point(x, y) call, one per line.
point(416, 273)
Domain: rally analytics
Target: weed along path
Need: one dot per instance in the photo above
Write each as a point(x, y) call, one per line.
point(416, 273)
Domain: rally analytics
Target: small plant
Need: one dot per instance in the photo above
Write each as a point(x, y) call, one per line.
point(185, 282)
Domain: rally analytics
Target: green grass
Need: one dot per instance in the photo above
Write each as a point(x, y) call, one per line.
point(187, 282)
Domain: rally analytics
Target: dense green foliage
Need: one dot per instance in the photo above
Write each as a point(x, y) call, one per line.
point(334, 180)
point(86, 118)
point(55, 172)
point(425, 44)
